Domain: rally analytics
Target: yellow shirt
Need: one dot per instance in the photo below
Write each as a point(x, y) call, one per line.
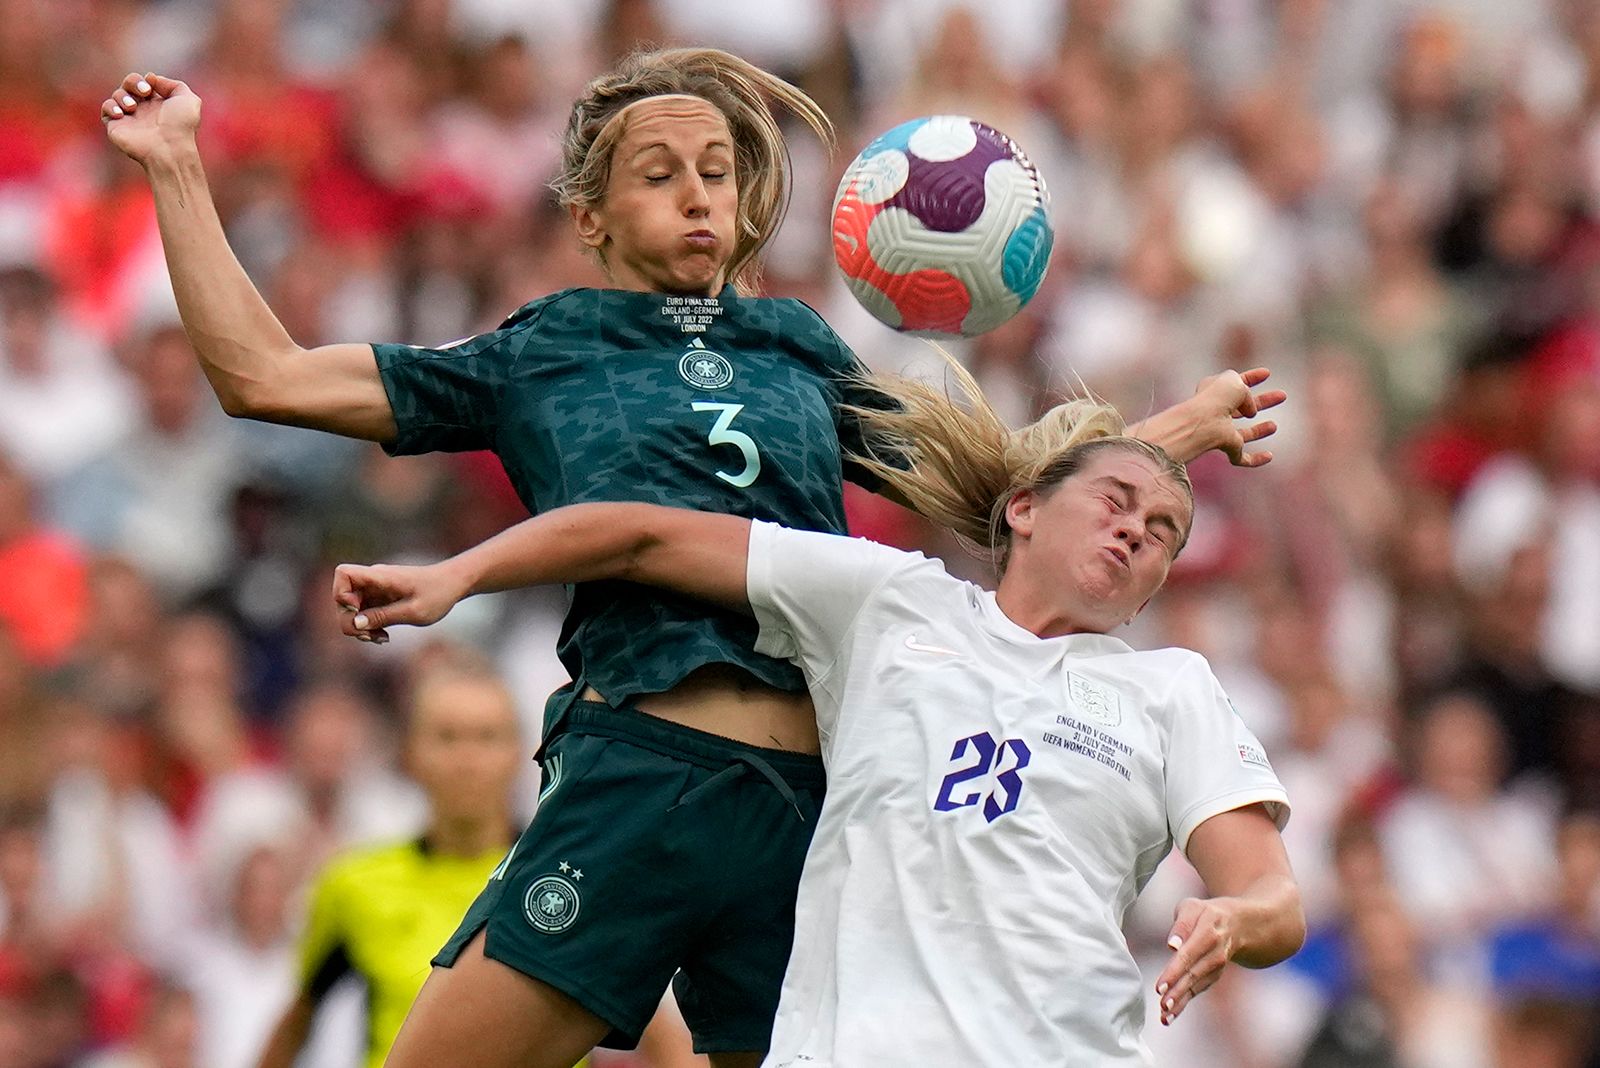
point(382, 913)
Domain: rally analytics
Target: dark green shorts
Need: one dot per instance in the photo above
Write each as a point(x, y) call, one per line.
point(656, 850)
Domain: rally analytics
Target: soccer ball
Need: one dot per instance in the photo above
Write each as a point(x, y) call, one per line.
point(942, 227)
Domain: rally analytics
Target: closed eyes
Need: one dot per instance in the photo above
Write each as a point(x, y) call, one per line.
point(710, 176)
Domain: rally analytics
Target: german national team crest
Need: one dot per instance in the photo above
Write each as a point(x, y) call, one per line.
point(1094, 701)
point(551, 904)
point(704, 369)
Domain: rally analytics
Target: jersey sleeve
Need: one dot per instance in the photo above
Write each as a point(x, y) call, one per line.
point(1214, 762)
point(807, 589)
point(447, 399)
point(323, 954)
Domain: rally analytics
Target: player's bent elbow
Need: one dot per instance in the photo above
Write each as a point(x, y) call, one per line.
point(258, 403)
point(253, 395)
point(237, 404)
point(334, 389)
point(1278, 951)
point(1280, 934)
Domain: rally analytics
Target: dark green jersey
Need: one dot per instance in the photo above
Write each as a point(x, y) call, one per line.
point(725, 404)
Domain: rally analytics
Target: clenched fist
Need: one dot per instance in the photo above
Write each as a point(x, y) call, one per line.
point(149, 115)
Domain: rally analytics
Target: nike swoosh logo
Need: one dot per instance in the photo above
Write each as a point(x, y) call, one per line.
point(918, 647)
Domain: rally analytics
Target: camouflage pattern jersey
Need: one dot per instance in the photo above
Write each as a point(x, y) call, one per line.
point(725, 404)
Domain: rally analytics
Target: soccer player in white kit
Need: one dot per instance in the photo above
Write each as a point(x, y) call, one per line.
point(1003, 776)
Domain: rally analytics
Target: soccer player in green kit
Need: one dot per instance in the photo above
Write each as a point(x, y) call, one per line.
point(681, 776)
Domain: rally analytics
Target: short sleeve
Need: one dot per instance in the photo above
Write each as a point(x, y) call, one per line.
point(807, 590)
point(323, 956)
point(1214, 763)
point(448, 399)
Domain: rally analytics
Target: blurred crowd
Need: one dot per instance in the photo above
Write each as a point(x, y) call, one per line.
point(1394, 204)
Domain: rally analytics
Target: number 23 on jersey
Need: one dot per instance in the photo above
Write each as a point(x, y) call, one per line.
point(988, 771)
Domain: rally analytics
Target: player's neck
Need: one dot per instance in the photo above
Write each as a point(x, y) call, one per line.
point(625, 276)
point(469, 837)
point(1044, 619)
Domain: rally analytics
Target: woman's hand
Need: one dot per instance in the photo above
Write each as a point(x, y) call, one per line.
point(1210, 419)
point(1203, 940)
point(149, 116)
point(372, 598)
point(1222, 400)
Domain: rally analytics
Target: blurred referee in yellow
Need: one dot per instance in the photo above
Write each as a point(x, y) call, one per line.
point(381, 913)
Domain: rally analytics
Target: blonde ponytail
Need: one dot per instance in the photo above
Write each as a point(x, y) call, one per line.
point(741, 91)
point(958, 464)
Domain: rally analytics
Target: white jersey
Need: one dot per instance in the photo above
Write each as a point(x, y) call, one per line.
point(995, 802)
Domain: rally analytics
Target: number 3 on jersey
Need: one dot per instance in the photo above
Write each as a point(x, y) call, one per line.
point(722, 433)
point(983, 754)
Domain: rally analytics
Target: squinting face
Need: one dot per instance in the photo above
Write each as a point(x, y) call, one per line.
point(1102, 541)
point(669, 219)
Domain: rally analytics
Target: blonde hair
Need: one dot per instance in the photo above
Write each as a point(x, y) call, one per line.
point(740, 91)
point(959, 464)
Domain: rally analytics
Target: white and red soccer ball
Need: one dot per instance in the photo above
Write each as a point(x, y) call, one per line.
point(942, 227)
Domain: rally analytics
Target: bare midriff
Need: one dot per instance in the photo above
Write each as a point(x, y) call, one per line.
point(723, 700)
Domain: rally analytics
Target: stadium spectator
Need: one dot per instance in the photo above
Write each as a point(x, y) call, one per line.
point(62, 398)
point(44, 589)
point(159, 495)
point(117, 658)
point(1502, 659)
point(1547, 501)
point(115, 862)
point(1464, 854)
point(1341, 520)
point(332, 784)
point(1392, 1012)
point(167, 1036)
point(1555, 956)
point(504, 115)
point(243, 973)
point(1398, 316)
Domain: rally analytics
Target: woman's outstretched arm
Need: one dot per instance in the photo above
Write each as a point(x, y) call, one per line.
point(702, 554)
point(254, 367)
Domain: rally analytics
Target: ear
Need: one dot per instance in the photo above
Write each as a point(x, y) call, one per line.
point(1020, 512)
point(586, 220)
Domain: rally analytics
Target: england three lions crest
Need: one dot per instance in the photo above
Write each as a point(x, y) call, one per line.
point(1095, 701)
